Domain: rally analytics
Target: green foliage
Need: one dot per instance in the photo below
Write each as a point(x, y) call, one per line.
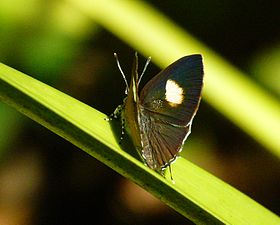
point(196, 194)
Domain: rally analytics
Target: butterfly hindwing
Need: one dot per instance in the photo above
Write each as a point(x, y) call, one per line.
point(161, 141)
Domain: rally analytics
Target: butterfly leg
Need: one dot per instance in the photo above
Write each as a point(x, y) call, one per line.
point(162, 173)
point(170, 172)
point(123, 131)
point(116, 115)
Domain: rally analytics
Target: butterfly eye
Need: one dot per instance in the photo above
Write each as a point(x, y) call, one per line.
point(174, 94)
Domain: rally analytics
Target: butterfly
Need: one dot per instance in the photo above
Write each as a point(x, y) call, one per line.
point(159, 117)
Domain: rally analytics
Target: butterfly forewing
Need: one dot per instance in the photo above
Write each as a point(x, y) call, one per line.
point(168, 104)
point(174, 93)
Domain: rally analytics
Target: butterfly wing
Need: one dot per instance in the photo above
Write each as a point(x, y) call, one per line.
point(168, 104)
point(174, 93)
point(161, 141)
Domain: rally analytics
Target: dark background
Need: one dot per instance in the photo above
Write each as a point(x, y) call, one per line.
point(46, 180)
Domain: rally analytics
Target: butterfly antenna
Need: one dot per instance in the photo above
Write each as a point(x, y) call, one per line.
point(122, 73)
point(145, 67)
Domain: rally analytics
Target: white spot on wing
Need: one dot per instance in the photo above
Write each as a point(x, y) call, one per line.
point(174, 94)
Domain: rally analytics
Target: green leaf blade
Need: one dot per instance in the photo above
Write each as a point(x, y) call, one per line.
point(196, 194)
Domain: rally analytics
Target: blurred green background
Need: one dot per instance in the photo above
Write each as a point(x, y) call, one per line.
point(45, 180)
